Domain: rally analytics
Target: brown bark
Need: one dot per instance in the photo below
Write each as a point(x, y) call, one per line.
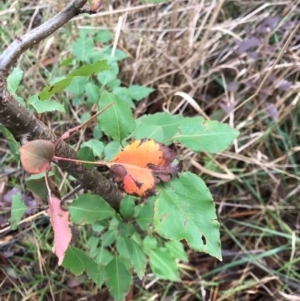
point(19, 121)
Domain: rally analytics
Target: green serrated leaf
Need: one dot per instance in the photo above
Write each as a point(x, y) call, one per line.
point(163, 265)
point(93, 93)
point(114, 223)
point(149, 243)
point(86, 153)
point(124, 95)
point(50, 90)
point(126, 230)
point(78, 262)
point(100, 54)
point(92, 244)
point(77, 86)
point(97, 133)
point(115, 83)
point(139, 92)
point(108, 238)
point(127, 206)
point(37, 186)
point(138, 260)
point(76, 81)
point(88, 208)
point(149, 131)
point(103, 36)
point(106, 53)
point(85, 116)
point(95, 145)
point(45, 106)
point(107, 76)
point(117, 279)
point(66, 62)
point(86, 32)
point(184, 209)
point(11, 141)
point(117, 121)
point(205, 135)
point(103, 256)
point(111, 149)
point(124, 247)
point(119, 54)
point(18, 208)
point(136, 237)
point(82, 48)
point(168, 123)
point(90, 69)
point(98, 227)
point(19, 99)
point(97, 275)
point(176, 250)
point(14, 79)
point(77, 100)
point(144, 215)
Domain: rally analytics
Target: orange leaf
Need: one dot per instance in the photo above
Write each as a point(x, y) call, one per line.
point(141, 165)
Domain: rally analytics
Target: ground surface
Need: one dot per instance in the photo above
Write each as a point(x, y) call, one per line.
point(239, 60)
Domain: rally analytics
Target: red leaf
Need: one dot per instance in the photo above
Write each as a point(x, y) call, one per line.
point(60, 224)
point(36, 155)
point(141, 165)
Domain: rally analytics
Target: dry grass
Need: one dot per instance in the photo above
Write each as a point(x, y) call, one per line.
point(239, 61)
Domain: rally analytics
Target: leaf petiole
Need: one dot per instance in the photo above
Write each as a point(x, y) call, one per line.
point(55, 159)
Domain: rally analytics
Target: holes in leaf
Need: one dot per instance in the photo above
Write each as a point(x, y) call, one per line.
point(203, 239)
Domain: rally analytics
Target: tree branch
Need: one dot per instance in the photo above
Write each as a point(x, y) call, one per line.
point(19, 121)
point(16, 48)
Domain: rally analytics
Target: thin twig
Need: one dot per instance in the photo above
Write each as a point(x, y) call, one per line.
point(20, 45)
point(69, 194)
